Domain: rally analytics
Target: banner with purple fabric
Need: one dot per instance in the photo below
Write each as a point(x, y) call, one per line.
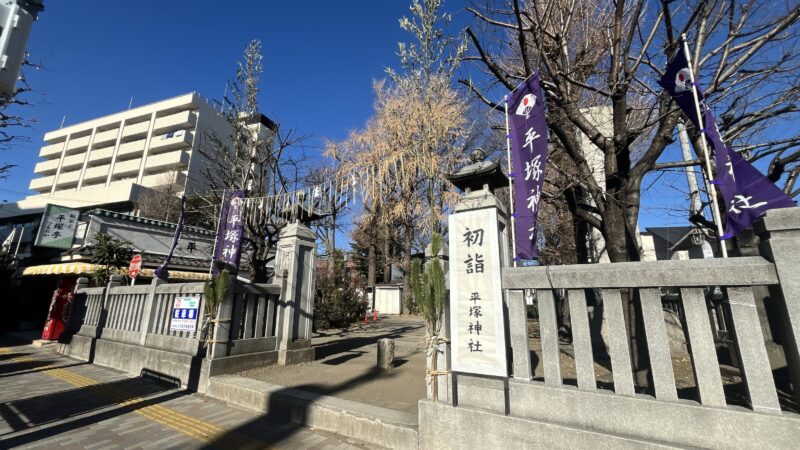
point(223, 216)
point(678, 84)
point(528, 133)
point(162, 272)
point(747, 193)
point(228, 250)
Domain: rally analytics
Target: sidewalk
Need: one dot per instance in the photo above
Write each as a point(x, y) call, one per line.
point(50, 401)
point(345, 365)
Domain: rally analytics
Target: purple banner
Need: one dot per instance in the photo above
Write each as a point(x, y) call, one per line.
point(228, 249)
point(223, 216)
point(746, 192)
point(161, 271)
point(678, 84)
point(528, 133)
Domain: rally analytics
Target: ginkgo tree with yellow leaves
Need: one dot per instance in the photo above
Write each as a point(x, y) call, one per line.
point(415, 135)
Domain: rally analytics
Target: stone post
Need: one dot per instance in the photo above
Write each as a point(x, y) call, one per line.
point(295, 265)
point(480, 203)
point(82, 283)
point(114, 281)
point(477, 312)
point(779, 231)
point(386, 354)
point(147, 310)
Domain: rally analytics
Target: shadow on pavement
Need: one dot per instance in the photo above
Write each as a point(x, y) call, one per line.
point(14, 368)
point(42, 369)
point(353, 354)
point(6, 356)
point(48, 408)
point(348, 343)
point(291, 418)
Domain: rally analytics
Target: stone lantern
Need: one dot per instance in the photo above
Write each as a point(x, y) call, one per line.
point(479, 175)
point(479, 180)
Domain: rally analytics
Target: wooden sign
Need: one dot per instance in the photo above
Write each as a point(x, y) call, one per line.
point(476, 296)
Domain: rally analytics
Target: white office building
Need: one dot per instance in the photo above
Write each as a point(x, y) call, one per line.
point(112, 159)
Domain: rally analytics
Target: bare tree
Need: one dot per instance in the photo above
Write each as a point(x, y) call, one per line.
point(11, 121)
point(414, 136)
point(610, 54)
point(161, 202)
point(251, 158)
point(331, 210)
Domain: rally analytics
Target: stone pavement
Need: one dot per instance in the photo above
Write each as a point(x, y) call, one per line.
point(51, 401)
point(346, 365)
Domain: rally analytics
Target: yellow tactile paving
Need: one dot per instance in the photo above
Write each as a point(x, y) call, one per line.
point(198, 429)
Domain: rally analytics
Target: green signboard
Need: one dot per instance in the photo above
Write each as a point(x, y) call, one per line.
point(57, 228)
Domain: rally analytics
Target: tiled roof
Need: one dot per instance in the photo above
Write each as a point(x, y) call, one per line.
point(154, 258)
point(146, 221)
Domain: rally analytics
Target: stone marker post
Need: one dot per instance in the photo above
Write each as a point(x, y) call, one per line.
point(478, 250)
point(295, 261)
point(113, 281)
point(82, 283)
point(147, 310)
point(386, 354)
point(779, 231)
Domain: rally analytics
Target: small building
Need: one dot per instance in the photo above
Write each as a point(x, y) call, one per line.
point(113, 162)
point(680, 243)
point(32, 285)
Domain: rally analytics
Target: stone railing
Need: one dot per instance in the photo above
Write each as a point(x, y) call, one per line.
point(134, 320)
point(643, 283)
point(588, 392)
point(253, 322)
point(129, 327)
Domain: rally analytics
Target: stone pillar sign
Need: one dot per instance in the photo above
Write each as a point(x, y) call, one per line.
point(476, 298)
point(295, 261)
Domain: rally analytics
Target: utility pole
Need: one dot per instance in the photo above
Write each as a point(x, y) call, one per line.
point(695, 204)
point(16, 19)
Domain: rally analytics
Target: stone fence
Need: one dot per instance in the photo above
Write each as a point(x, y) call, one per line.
point(133, 328)
point(526, 411)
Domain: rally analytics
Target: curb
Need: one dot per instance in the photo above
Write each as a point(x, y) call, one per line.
point(372, 424)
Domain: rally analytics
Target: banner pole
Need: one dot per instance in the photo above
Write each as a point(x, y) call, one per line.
point(216, 233)
point(709, 178)
point(510, 188)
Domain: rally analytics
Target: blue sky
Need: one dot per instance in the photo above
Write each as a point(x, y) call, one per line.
point(320, 58)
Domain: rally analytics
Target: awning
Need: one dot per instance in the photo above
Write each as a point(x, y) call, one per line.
point(59, 269)
point(78, 268)
point(178, 275)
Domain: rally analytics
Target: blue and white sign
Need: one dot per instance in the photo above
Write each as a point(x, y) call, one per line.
point(184, 313)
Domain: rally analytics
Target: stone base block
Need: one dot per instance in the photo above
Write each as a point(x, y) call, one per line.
point(287, 357)
point(77, 346)
point(682, 424)
point(442, 427)
point(43, 343)
point(384, 428)
point(239, 363)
